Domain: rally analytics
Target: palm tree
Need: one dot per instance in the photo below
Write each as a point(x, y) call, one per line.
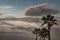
point(50, 21)
point(43, 33)
point(36, 32)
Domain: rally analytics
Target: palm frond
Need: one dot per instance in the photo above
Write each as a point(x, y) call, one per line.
point(49, 15)
point(52, 17)
point(54, 20)
point(43, 23)
point(43, 32)
point(36, 31)
point(55, 23)
point(43, 18)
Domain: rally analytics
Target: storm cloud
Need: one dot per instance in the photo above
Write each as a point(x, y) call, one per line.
point(22, 29)
point(39, 10)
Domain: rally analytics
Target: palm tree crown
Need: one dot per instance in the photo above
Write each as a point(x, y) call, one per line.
point(49, 19)
point(43, 33)
point(36, 31)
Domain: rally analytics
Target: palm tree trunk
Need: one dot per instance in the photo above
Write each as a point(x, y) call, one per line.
point(36, 37)
point(49, 33)
point(44, 38)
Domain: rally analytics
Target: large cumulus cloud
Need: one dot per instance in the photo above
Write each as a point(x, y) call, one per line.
point(42, 9)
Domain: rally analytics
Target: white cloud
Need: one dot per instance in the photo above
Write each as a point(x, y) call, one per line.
point(6, 7)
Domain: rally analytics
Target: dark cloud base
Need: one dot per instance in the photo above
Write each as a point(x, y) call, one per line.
point(40, 10)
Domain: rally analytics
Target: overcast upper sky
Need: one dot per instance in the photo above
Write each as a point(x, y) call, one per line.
point(18, 6)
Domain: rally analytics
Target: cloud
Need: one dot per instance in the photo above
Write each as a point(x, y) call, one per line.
point(42, 9)
point(6, 7)
point(22, 29)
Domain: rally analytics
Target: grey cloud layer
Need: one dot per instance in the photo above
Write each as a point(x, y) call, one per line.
point(24, 33)
point(40, 10)
point(12, 31)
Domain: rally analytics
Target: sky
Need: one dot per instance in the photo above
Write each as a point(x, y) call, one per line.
point(24, 25)
point(17, 7)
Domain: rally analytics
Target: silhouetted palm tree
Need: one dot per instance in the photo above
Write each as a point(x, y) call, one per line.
point(36, 32)
point(43, 33)
point(50, 21)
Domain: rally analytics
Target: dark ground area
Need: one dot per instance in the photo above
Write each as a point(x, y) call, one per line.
point(14, 36)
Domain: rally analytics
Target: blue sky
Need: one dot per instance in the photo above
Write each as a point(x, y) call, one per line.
point(18, 6)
